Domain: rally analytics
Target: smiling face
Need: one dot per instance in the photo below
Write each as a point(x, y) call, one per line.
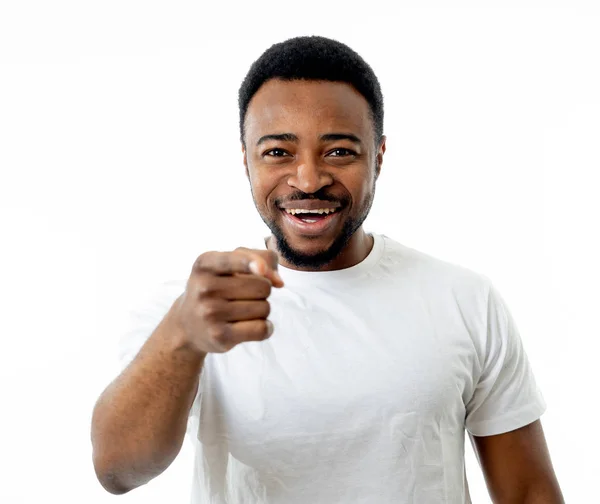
point(312, 161)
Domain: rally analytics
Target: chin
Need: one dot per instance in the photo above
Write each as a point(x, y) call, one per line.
point(313, 251)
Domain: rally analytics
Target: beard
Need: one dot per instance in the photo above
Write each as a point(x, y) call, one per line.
point(321, 258)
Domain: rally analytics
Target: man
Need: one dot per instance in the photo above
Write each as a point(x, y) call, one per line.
point(328, 364)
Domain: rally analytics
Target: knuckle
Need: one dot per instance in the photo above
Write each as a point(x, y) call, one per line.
point(202, 260)
point(218, 336)
point(206, 287)
point(222, 260)
point(210, 310)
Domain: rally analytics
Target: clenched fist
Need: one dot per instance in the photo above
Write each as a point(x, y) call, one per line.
point(225, 300)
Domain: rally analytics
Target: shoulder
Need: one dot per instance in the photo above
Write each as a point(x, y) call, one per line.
point(150, 306)
point(433, 272)
point(165, 293)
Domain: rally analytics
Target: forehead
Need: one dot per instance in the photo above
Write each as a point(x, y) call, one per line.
point(307, 106)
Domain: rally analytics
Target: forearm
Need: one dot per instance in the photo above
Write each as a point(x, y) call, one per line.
point(139, 421)
point(546, 492)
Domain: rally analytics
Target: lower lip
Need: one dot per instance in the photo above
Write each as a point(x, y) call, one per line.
point(311, 228)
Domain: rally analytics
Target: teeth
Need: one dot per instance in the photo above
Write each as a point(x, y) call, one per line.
point(295, 211)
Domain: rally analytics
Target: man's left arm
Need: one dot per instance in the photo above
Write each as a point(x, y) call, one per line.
point(517, 467)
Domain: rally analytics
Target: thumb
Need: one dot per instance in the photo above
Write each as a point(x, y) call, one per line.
point(264, 263)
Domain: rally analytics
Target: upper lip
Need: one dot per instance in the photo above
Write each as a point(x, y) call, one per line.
point(309, 205)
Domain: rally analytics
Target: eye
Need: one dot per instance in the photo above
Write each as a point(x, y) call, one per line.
point(275, 153)
point(341, 152)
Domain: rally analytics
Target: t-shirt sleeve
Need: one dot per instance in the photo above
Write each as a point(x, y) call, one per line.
point(506, 396)
point(143, 317)
point(141, 321)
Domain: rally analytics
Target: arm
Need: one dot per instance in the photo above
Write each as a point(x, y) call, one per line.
point(139, 421)
point(517, 467)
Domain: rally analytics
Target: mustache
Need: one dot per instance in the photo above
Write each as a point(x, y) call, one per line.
point(319, 195)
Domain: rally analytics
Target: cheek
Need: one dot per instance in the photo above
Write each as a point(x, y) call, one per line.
point(362, 192)
point(262, 192)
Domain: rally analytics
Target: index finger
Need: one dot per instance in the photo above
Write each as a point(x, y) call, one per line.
point(263, 263)
point(239, 261)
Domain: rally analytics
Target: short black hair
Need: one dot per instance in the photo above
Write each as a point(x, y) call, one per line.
point(313, 58)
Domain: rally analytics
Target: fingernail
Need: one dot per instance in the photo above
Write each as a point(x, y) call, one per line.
point(253, 266)
point(270, 327)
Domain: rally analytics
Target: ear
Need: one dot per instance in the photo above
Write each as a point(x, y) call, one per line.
point(245, 160)
point(379, 157)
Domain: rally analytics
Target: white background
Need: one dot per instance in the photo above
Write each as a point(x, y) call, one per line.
point(120, 163)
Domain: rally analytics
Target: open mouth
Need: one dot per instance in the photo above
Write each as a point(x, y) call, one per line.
point(311, 221)
point(311, 216)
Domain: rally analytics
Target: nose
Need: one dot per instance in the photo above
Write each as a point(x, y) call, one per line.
point(309, 177)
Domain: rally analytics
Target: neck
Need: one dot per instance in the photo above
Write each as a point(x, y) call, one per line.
point(356, 250)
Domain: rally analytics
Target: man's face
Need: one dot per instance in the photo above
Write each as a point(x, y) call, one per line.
point(310, 146)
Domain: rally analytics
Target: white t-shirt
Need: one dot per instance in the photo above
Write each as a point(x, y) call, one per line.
point(365, 389)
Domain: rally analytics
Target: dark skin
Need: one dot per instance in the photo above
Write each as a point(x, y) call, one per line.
point(306, 162)
point(289, 151)
point(225, 301)
point(517, 467)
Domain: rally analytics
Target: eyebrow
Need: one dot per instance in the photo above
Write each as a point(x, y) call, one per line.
point(328, 137)
point(282, 137)
point(332, 137)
